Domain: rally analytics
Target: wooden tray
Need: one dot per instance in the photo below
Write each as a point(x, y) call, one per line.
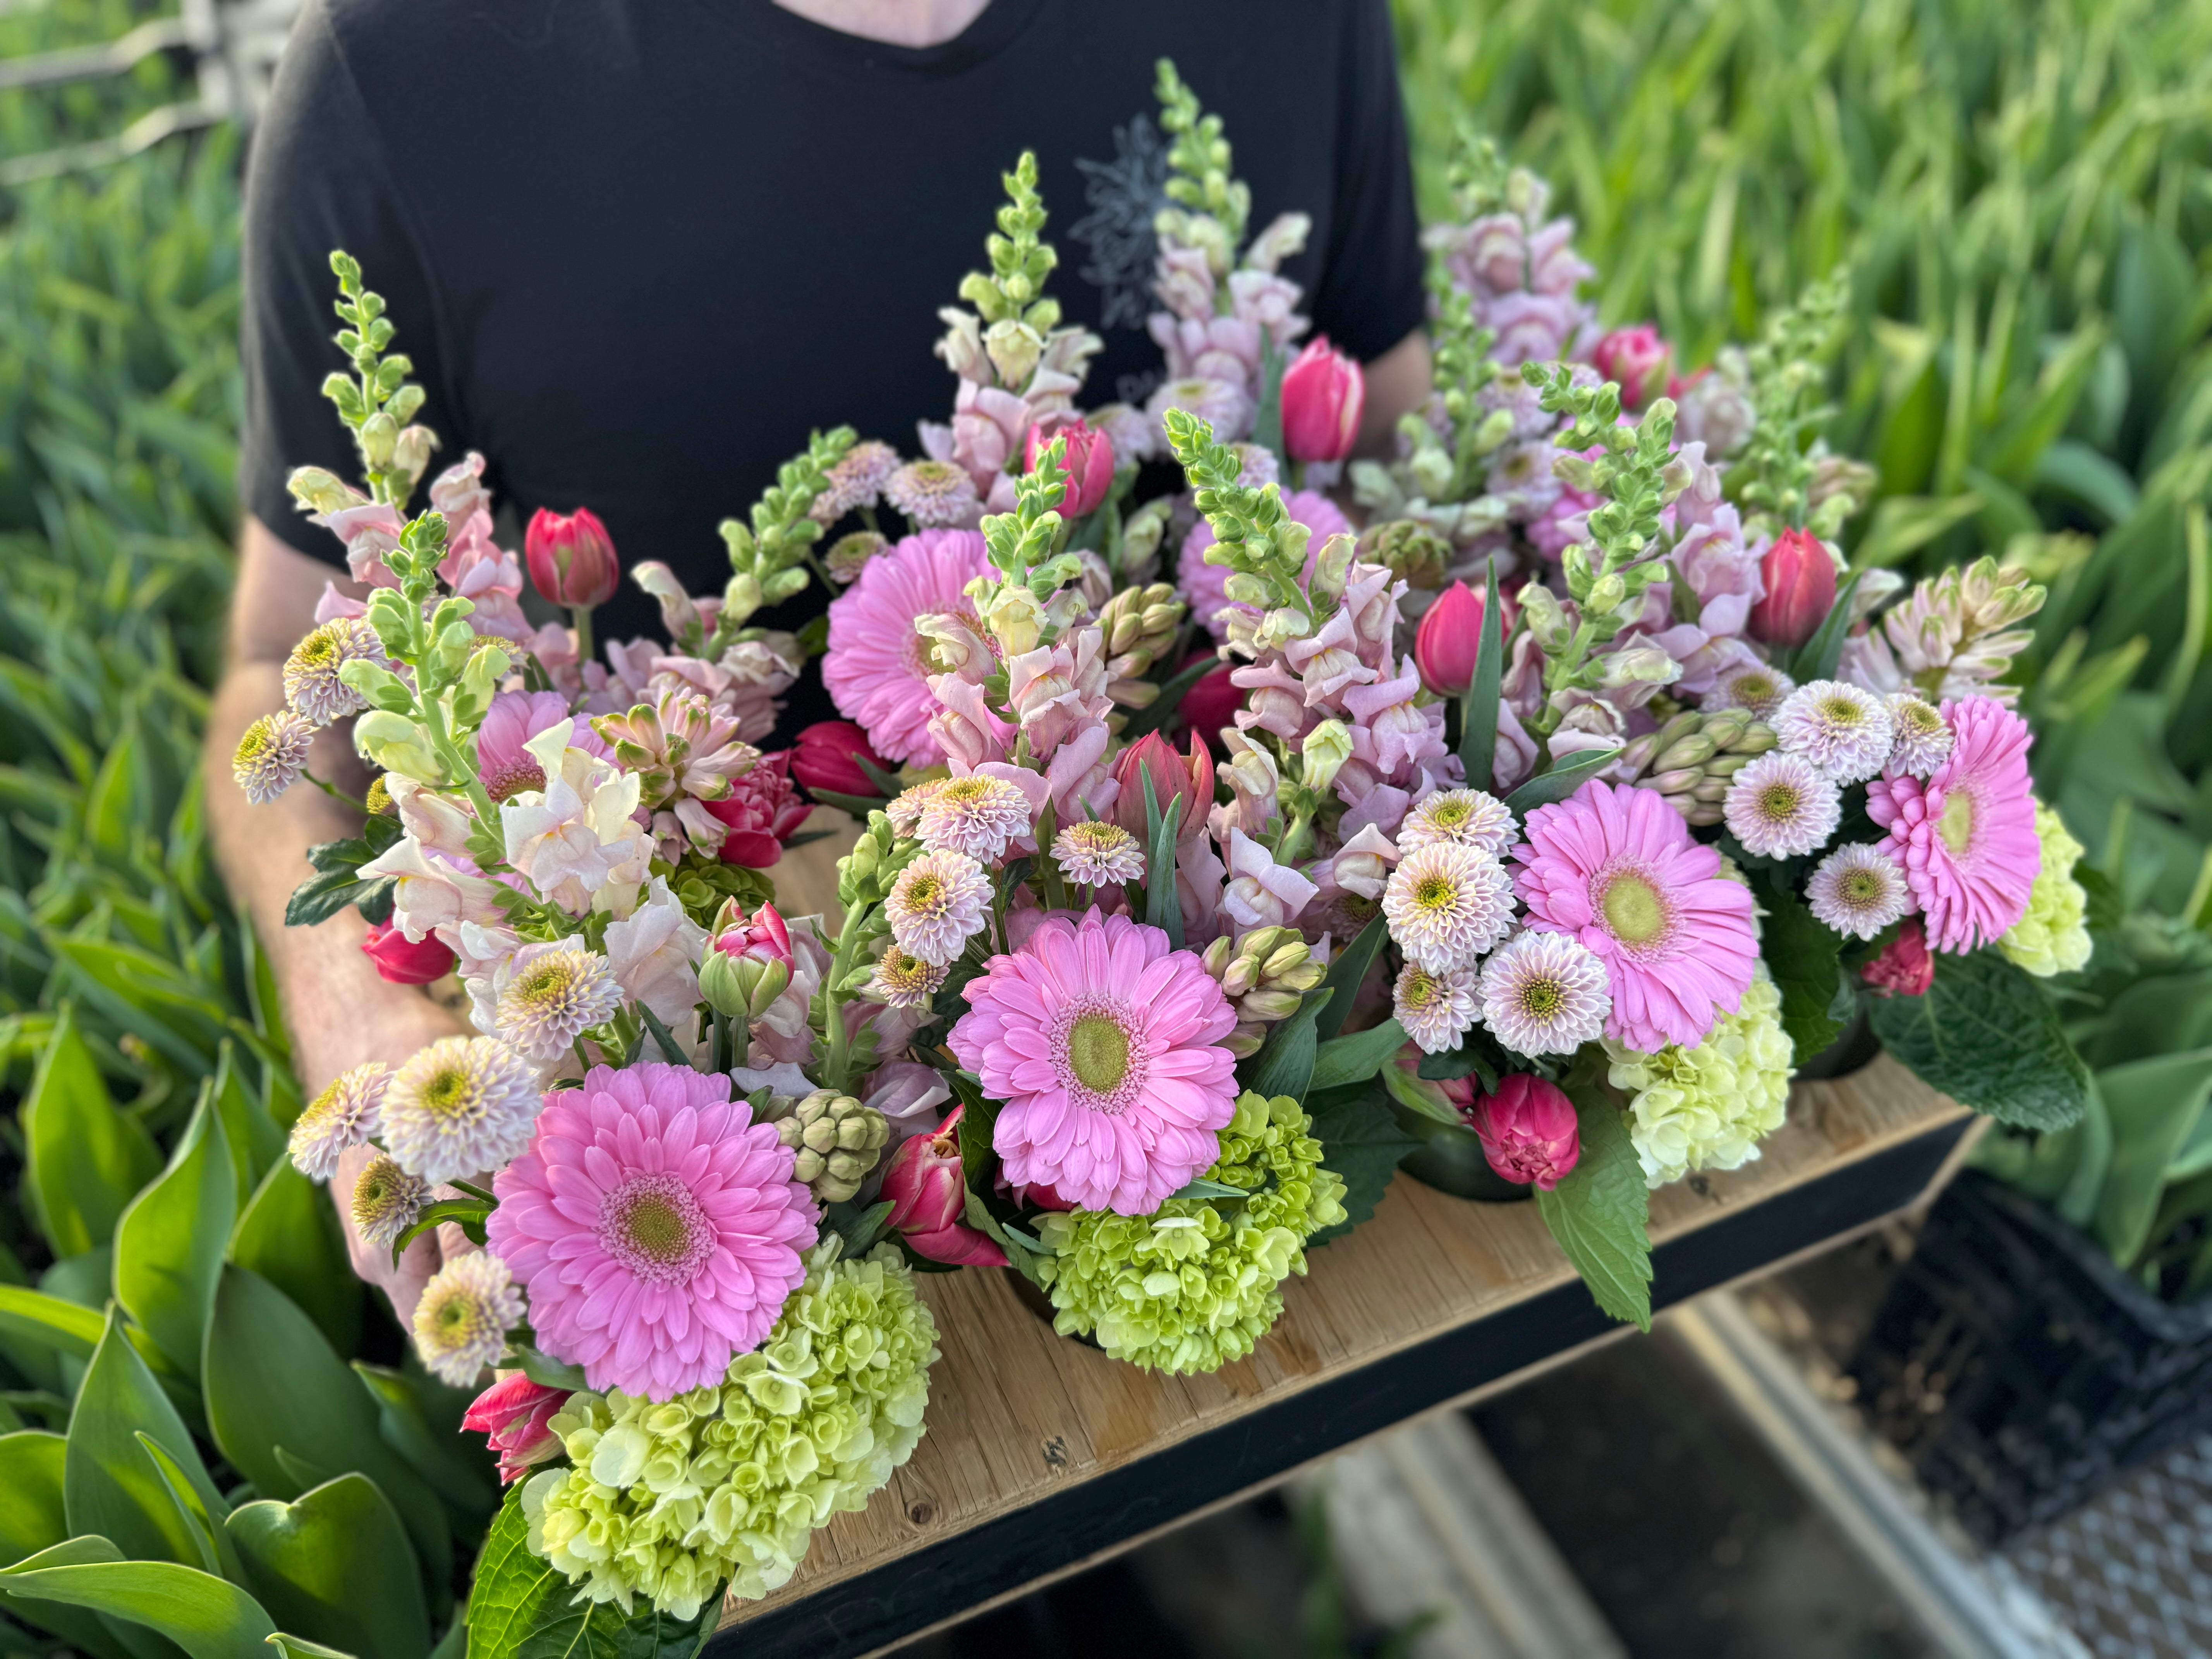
point(1042, 1454)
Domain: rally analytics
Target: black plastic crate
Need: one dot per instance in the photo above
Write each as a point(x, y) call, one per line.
point(2020, 1370)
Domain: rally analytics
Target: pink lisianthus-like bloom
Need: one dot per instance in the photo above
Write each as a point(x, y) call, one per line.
point(656, 1227)
point(1904, 969)
point(400, 961)
point(827, 756)
point(761, 812)
point(928, 1196)
point(1966, 837)
point(1616, 867)
point(513, 1414)
point(1527, 1130)
point(1206, 586)
point(504, 761)
point(1106, 1046)
point(876, 670)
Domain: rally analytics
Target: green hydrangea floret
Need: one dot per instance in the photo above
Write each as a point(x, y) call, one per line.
point(2052, 936)
point(1709, 1107)
point(1196, 1283)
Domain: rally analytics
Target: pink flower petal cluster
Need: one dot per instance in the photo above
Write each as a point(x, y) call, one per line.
point(1966, 837)
point(876, 669)
point(761, 812)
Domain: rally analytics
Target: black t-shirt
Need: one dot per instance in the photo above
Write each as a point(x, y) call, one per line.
point(638, 248)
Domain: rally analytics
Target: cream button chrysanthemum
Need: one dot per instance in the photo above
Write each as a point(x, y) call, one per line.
point(341, 1117)
point(1845, 731)
point(1468, 816)
point(1781, 805)
point(461, 1323)
point(460, 1107)
point(1544, 993)
point(1096, 851)
point(977, 815)
point(272, 755)
point(937, 905)
point(1436, 1009)
point(1858, 890)
point(1447, 904)
point(386, 1201)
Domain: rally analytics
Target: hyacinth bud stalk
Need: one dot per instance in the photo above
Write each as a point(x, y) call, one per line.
point(1089, 461)
point(1636, 360)
point(1694, 757)
point(1799, 575)
point(1324, 394)
point(827, 756)
point(1265, 973)
point(572, 562)
point(400, 961)
point(1187, 778)
point(928, 1195)
point(836, 1141)
point(1449, 637)
point(1528, 1131)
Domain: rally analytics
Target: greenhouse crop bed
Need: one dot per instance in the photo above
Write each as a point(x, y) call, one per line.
point(1043, 1455)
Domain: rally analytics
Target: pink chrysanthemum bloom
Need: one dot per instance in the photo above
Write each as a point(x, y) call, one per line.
point(1756, 687)
point(1094, 852)
point(902, 981)
point(933, 495)
point(1206, 586)
point(1468, 817)
point(1616, 866)
point(977, 815)
point(937, 905)
point(312, 685)
point(341, 1117)
point(877, 669)
point(550, 995)
point(1922, 739)
point(1781, 805)
point(1966, 837)
point(1447, 904)
point(656, 1225)
point(1544, 993)
point(1841, 728)
point(904, 808)
point(461, 1323)
point(1106, 1046)
point(1858, 890)
point(1437, 1009)
point(459, 1106)
point(855, 481)
point(272, 755)
point(507, 767)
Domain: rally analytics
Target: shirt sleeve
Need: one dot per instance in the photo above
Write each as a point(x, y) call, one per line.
point(1372, 294)
point(319, 179)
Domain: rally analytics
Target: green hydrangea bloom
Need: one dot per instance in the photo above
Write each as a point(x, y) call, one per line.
point(2051, 937)
point(668, 1500)
point(1707, 1108)
point(1194, 1283)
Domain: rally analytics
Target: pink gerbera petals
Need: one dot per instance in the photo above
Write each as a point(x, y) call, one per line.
point(876, 669)
point(1616, 867)
point(1105, 1045)
point(1966, 837)
point(656, 1227)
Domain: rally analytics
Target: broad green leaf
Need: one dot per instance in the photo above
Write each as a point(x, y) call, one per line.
point(520, 1608)
point(217, 1555)
point(83, 1631)
point(1285, 1062)
point(1162, 908)
point(2153, 1104)
point(1817, 658)
point(169, 1243)
point(298, 1647)
point(1601, 1213)
point(177, 1015)
point(206, 1616)
point(89, 1279)
point(1804, 956)
point(256, 1142)
point(1356, 1058)
point(1478, 740)
point(111, 1486)
point(1199, 1187)
point(1987, 1035)
point(65, 1327)
point(335, 1566)
point(458, 1466)
point(1362, 1143)
point(87, 1160)
point(1560, 782)
point(33, 1517)
point(289, 1234)
point(1345, 974)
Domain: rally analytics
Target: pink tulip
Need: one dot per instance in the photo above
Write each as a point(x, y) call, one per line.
point(1636, 360)
point(928, 1194)
point(514, 1412)
point(763, 935)
point(1527, 1130)
point(1446, 643)
point(762, 812)
point(1324, 393)
point(403, 962)
point(1188, 777)
point(572, 558)
point(828, 754)
point(1904, 969)
point(1800, 590)
point(1088, 458)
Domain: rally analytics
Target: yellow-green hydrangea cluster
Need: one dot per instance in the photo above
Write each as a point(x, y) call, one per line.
point(2052, 937)
point(668, 1500)
point(1195, 1284)
point(1707, 1108)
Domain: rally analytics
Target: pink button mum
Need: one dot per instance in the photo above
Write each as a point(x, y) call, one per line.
point(875, 669)
point(1105, 1046)
point(656, 1227)
point(1616, 866)
point(1966, 837)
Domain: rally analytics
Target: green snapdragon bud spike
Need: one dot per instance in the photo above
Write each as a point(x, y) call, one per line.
point(1021, 259)
point(1477, 173)
point(767, 558)
point(1788, 377)
point(1199, 161)
point(1263, 548)
point(377, 400)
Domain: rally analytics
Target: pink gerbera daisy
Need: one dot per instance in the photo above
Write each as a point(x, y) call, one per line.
point(515, 717)
point(1616, 866)
point(656, 1225)
point(1106, 1047)
point(875, 669)
point(1966, 837)
point(1206, 586)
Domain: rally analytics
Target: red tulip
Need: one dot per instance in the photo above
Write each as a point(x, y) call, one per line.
point(1211, 704)
point(1904, 969)
point(513, 1412)
point(1800, 590)
point(928, 1195)
point(1636, 360)
point(1089, 459)
point(1449, 637)
point(762, 812)
point(1188, 777)
point(1324, 393)
point(1527, 1130)
point(403, 962)
point(572, 558)
point(827, 757)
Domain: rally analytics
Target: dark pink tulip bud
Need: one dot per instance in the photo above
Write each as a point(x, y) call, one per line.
point(1636, 360)
point(928, 1195)
point(1904, 969)
point(405, 962)
point(762, 812)
point(1089, 458)
point(828, 754)
point(1446, 643)
point(1189, 776)
point(513, 1412)
point(1324, 393)
point(571, 558)
point(1528, 1131)
point(1799, 575)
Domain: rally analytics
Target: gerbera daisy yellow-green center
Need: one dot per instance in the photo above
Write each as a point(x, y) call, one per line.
point(1633, 909)
point(1098, 1053)
point(1955, 824)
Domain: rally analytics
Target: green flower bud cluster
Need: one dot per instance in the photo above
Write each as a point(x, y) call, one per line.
point(1263, 547)
point(1196, 1283)
point(1788, 383)
point(1024, 546)
point(1265, 973)
point(865, 875)
point(1408, 549)
point(377, 400)
point(838, 1140)
point(2052, 935)
point(767, 558)
point(1708, 1107)
point(1694, 757)
point(1213, 208)
point(1139, 626)
point(741, 987)
point(668, 1500)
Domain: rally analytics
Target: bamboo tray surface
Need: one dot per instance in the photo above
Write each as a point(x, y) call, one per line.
point(1017, 1414)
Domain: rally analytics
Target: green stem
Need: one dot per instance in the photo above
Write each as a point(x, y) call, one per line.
point(335, 792)
point(838, 1041)
point(581, 615)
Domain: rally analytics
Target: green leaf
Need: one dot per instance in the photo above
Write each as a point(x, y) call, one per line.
point(206, 1616)
point(1284, 1063)
point(1420, 1095)
point(1805, 957)
point(1155, 713)
point(33, 1518)
point(256, 1141)
point(1200, 1187)
point(467, 1213)
point(82, 1630)
point(86, 1160)
point(520, 1608)
point(319, 897)
point(860, 1229)
point(1601, 1213)
point(1162, 909)
point(290, 1236)
point(335, 1565)
point(1355, 1058)
point(547, 1371)
point(1362, 1143)
point(859, 805)
point(169, 1243)
point(63, 1326)
point(215, 1554)
point(298, 1647)
point(1817, 657)
point(1345, 974)
point(2153, 1104)
point(1477, 725)
point(458, 1466)
point(111, 1486)
point(1987, 1035)
point(1560, 782)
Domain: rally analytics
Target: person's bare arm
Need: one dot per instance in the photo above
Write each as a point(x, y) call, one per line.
point(339, 1012)
point(1398, 383)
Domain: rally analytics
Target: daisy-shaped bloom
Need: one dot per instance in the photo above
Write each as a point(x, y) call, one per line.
point(1435, 1009)
point(977, 815)
point(904, 808)
point(460, 1107)
point(1922, 740)
point(1106, 1046)
point(937, 905)
point(342, 1117)
point(272, 755)
point(933, 494)
point(1966, 837)
point(1466, 815)
point(1094, 852)
point(1858, 889)
point(1756, 686)
point(551, 994)
point(504, 761)
point(386, 1201)
point(657, 1227)
point(1447, 904)
point(904, 980)
point(461, 1323)
point(1544, 993)
point(312, 685)
point(1841, 729)
point(1781, 805)
point(877, 668)
point(1616, 866)
point(855, 481)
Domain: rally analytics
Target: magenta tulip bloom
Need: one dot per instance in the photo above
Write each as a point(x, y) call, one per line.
point(1324, 393)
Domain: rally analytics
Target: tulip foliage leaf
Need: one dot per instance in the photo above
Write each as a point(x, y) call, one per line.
point(1817, 657)
point(1560, 782)
point(1478, 732)
point(169, 1243)
point(111, 1486)
point(86, 1159)
point(1345, 974)
point(289, 1234)
point(1600, 1212)
point(335, 1565)
point(33, 1518)
point(208, 1617)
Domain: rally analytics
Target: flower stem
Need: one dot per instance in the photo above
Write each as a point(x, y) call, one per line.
point(335, 792)
point(833, 1034)
point(581, 615)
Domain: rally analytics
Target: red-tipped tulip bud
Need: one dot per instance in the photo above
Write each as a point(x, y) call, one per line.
point(513, 1414)
point(1324, 394)
point(1211, 704)
point(928, 1195)
point(1799, 575)
point(571, 558)
point(828, 754)
point(1636, 360)
point(1449, 637)
point(1088, 459)
point(403, 962)
point(1188, 778)
point(1904, 969)
point(1528, 1131)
